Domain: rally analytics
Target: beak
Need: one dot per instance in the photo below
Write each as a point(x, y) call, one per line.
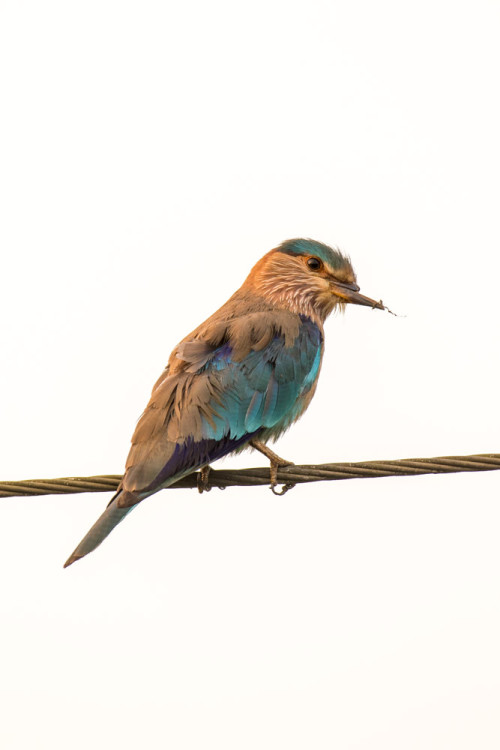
point(350, 293)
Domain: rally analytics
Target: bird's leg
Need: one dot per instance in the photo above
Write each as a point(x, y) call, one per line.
point(203, 483)
point(275, 461)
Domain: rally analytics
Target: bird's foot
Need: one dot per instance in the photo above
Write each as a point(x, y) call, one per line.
point(276, 462)
point(202, 479)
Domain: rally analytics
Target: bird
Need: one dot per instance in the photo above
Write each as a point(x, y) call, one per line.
point(240, 379)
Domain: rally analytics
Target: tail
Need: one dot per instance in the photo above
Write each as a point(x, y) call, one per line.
point(100, 530)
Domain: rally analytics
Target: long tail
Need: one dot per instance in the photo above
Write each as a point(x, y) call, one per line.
point(100, 530)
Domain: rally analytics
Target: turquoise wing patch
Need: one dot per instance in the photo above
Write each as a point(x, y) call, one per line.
point(265, 389)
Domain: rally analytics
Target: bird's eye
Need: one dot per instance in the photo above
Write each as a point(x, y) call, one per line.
point(314, 264)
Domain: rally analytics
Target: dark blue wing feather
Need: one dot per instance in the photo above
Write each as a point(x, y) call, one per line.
point(195, 453)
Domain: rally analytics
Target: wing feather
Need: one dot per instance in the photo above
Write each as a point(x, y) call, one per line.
point(229, 397)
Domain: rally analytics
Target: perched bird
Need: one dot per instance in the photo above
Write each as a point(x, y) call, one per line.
point(240, 379)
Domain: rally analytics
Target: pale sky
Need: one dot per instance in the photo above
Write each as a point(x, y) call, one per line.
point(150, 153)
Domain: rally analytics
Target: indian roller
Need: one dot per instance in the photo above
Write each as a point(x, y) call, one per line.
point(240, 379)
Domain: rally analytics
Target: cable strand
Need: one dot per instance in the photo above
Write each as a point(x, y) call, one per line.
point(260, 476)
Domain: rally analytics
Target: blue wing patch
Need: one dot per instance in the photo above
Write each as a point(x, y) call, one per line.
point(264, 390)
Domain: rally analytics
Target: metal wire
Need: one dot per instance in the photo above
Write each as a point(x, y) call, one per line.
point(288, 475)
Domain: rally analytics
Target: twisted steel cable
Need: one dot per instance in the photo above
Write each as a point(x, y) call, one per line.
point(288, 476)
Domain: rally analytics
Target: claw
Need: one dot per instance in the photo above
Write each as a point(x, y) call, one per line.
point(275, 461)
point(284, 489)
point(202, 479)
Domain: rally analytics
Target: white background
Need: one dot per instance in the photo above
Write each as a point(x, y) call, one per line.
point(151, 152)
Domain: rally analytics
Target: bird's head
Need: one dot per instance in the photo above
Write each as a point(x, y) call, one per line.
point(307, 277)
